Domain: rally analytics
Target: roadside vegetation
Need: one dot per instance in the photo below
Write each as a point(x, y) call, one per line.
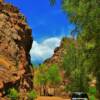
point(45, 78)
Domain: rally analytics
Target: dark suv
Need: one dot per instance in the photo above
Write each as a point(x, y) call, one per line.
point(79, 96)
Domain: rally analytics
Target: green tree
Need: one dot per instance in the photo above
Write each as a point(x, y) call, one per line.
point(75, 69)
point(85, 14)
point(54, 76)
point(32, 95)
point(69, 60)
point(47, 76)
point(41, 78)
point(13, 94)
point(79, 80)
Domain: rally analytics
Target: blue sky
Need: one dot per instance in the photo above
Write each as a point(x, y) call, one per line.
point(47, 23)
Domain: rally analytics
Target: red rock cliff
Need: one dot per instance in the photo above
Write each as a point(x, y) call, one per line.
point(15, 44)
point(59, 52)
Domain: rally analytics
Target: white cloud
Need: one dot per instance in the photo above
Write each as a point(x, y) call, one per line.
point(44, 50)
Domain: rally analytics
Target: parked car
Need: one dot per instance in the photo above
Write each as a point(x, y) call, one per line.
point(79, 96)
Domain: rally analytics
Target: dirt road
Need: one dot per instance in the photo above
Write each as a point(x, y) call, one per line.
point(50, 98)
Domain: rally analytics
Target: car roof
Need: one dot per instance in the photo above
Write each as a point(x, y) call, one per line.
point(78, 93)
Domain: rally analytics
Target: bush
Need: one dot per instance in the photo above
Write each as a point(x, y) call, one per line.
point(13, 94)
point(67, 88)
point(32, 95)
point(92, 97)
point(92, 90)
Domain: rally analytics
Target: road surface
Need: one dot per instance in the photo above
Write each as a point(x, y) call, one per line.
point(50, 98)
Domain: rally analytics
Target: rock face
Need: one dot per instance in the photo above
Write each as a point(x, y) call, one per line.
point(59, 52)
point(15, 44)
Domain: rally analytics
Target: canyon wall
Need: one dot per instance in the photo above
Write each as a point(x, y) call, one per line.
point(15, 44)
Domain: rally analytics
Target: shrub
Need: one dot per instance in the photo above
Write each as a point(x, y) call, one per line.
point(32, 95)
point(92, 90)
point(67, 88)
point(13, 94)
point(92, 97)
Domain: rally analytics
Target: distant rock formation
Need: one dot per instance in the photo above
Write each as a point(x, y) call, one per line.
point(15, 44)
point(59, 52)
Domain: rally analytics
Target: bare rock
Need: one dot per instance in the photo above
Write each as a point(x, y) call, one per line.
point(59, 52)
point(15, 44)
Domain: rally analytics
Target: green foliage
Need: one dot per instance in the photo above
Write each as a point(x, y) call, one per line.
point(92, 98)
point(76, 80)
point(68, 88)
point(75, 68)
point(52, 2)
point(54, 75)
point(13, 94)
point(42, 75)
point(32, 95)
point(22, 17)
point(34, 66)
point(85, 14)
point(41, 78)
point(46, 76)
point(79, 80)
point(92, 91)
point(69, 61)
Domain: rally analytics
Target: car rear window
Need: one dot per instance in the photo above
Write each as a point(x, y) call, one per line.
point(84, 95)
point(75, 95)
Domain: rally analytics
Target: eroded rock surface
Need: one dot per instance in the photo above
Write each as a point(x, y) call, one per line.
point(59, 52)
point(15, 44)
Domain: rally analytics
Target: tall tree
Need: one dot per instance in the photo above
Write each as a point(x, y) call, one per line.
point(41, 78)
point(74, 67)
point(54, 76)
point(86, 15)
point(69, 61)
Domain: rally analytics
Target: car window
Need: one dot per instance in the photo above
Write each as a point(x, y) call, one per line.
point(79, 96)
point(84, 95)
point(75, 96)
point(79, 99)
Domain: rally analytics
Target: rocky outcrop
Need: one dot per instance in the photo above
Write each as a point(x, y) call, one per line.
point(15, 44)
point(59, 52)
